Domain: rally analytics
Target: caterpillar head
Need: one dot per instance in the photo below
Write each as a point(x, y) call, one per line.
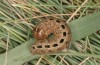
point(39, 34)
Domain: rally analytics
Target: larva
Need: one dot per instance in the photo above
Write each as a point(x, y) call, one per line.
point(56, 28)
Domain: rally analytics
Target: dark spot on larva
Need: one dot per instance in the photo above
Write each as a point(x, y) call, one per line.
point(39, 46)
point(47, 46)
point(33, 47)
point(51, 18)
point(63, 26)
point(58, 21)
point(61, 41)
point(64, 33)
point(54, 45)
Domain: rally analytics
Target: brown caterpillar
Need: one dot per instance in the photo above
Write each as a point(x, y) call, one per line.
point(56, 28)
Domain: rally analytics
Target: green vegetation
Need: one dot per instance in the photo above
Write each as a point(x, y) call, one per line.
point(18, 16)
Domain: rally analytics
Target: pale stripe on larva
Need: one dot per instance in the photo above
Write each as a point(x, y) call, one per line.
point(61, 39)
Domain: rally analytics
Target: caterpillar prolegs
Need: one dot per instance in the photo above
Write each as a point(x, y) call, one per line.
point(60, 36)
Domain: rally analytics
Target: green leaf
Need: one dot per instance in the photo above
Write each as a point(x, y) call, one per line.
point(80, 28)
point(85, 26)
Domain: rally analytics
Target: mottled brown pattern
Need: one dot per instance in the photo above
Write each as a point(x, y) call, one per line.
point(61, 39)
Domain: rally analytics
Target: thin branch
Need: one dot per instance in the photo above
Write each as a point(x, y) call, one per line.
point(84, 61)
point(77, 10)
point(6, 53)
